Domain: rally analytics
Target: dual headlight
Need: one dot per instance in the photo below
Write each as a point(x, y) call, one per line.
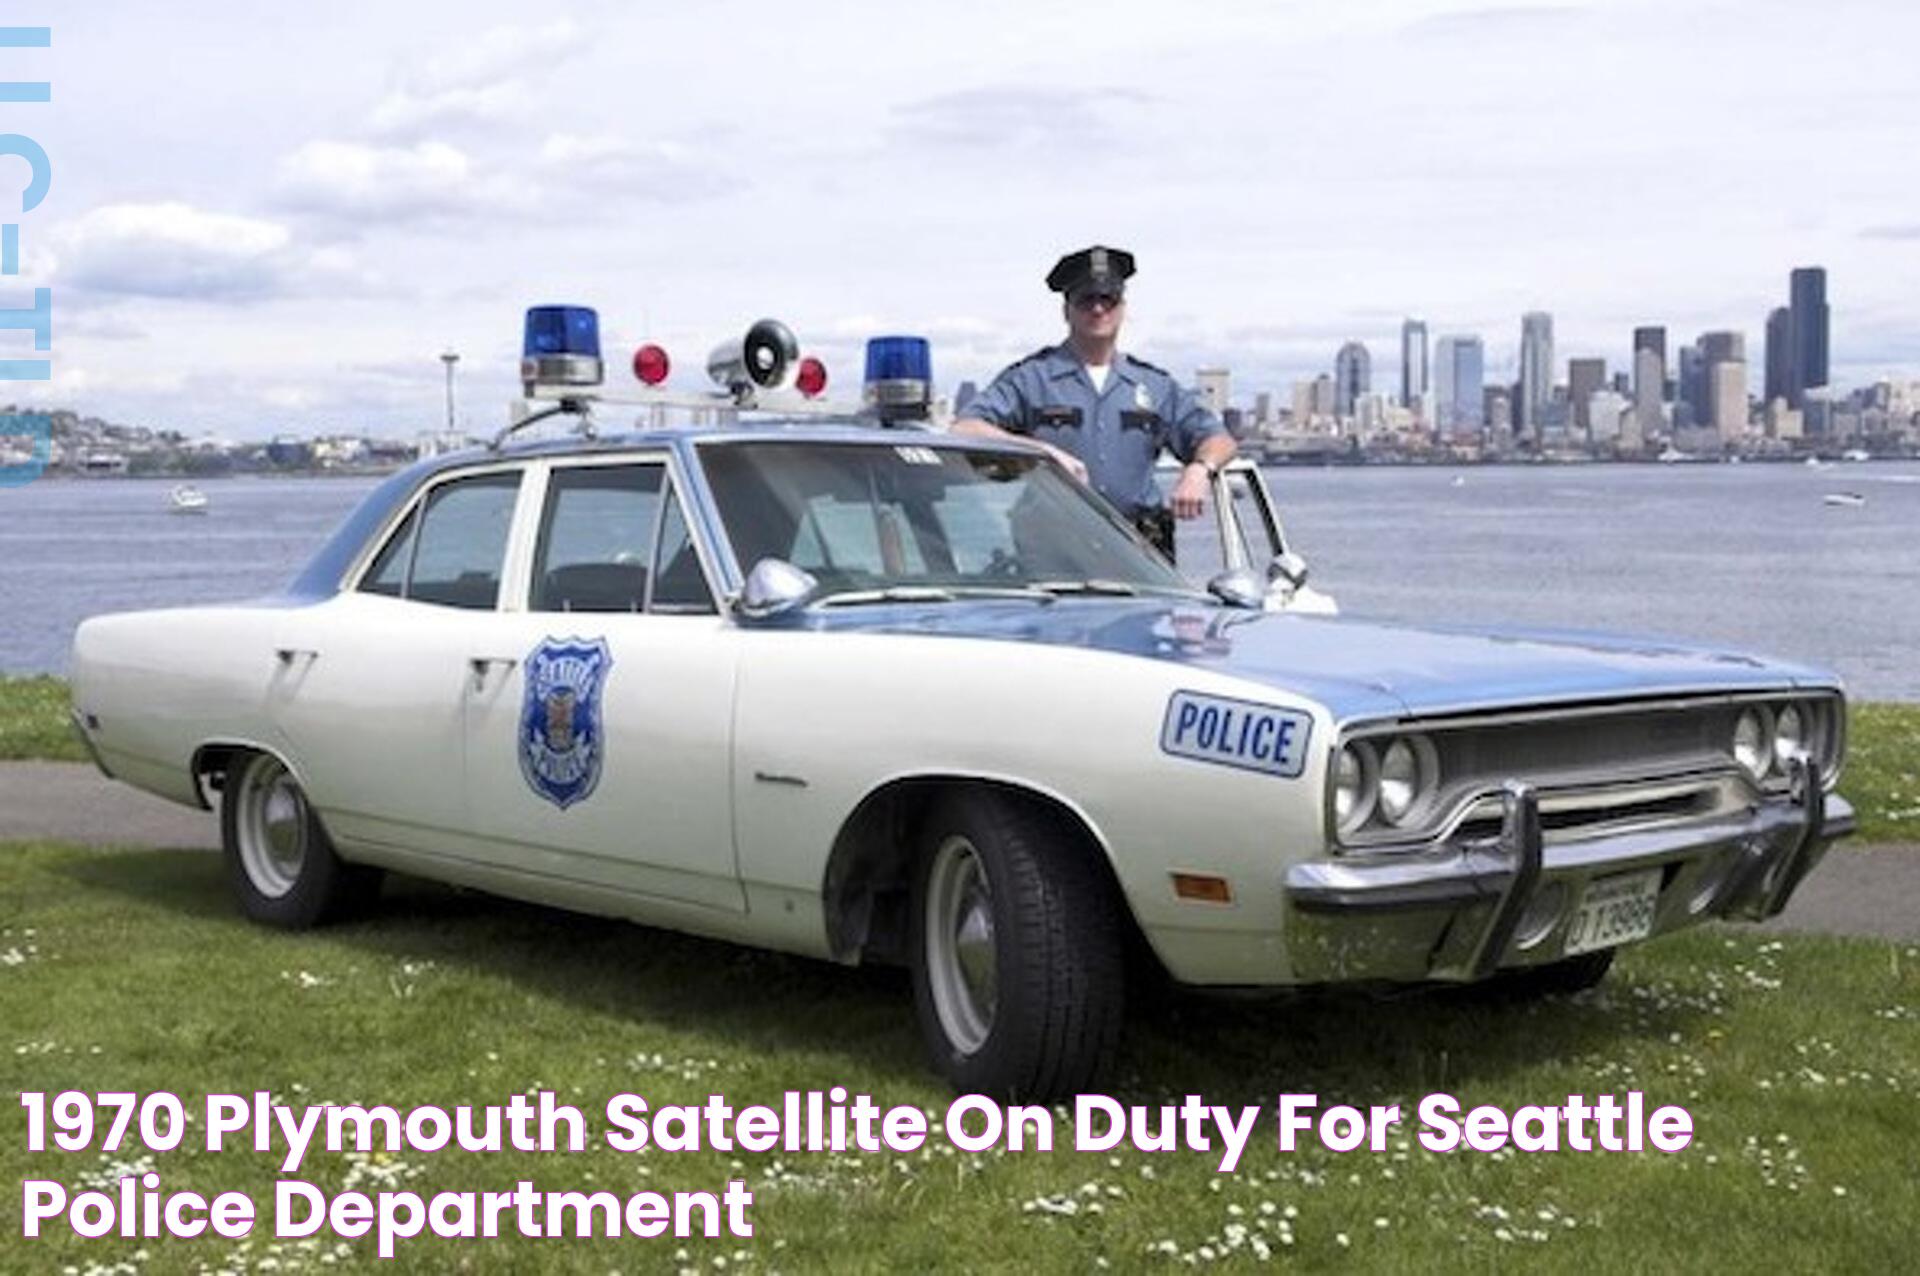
point(1389, 781)
point(1765, 736)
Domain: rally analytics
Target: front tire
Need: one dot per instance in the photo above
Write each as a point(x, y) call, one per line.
point(280, 862)
point(1017, 954)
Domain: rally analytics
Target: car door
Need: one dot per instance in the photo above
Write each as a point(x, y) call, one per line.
point(370, 688)
point(600, 715)
point(1242, 530)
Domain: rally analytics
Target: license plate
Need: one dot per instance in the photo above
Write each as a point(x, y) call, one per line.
point(1613, 911)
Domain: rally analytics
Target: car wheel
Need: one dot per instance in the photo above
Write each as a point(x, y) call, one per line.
point(1017, 953)
point(1558, 978)
point(279, 858)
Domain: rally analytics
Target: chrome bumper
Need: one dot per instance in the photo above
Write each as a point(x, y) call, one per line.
point(86, 739)
point(1452, 914)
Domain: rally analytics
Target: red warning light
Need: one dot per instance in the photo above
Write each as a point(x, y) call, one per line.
point(811, 377)
point(650, 364)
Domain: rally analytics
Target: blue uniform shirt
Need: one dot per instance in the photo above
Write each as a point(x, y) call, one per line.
point(1117, 432)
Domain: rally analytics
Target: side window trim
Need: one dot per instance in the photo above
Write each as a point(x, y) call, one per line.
point(674, 499)
point(415, 507)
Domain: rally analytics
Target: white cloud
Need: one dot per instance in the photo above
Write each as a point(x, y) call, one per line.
point(173, 250)
point(483, 81)
point(379, 183)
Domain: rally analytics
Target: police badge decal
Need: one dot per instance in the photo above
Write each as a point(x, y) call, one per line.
point(561, 745)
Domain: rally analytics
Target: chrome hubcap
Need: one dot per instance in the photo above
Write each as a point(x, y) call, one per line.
point(962, 965)
point(272, 827)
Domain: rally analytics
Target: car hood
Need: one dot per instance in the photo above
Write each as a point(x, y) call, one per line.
point(1355, 667)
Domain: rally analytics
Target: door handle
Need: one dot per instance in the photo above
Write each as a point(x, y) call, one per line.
point(287, 655)
point(480, 665)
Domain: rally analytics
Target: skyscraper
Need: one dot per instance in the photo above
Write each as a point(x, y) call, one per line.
point(1723, 370)
point(1584, 376)
point(1413, 362)
point(1807, 287)
point(1779, 355)
point(1459, 378)
point(1352, 377)
point(1536, 372)
point(1690, 405)
point(1649, 377)
point(1214, 388)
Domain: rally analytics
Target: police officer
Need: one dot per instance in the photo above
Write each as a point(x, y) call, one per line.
point(1104, 414)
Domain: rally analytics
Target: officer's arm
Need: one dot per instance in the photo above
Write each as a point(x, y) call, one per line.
point(999, 412)
point(1202, 441)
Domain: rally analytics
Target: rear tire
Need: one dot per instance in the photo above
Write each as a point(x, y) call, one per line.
point(280, 862)
point(1018, 964)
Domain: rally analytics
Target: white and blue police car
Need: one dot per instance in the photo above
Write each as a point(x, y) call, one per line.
point(849, 687)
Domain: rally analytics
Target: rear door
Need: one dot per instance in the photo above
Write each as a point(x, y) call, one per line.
point(370, 689)
point(600, 716)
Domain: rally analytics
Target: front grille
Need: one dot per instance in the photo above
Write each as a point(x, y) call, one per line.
point(1627, 809)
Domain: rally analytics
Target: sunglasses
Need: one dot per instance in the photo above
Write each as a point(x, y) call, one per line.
point(1088, 300)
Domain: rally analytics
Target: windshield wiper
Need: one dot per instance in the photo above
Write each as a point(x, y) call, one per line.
point(891, 594)
point(1104, 588)
point(934, 594)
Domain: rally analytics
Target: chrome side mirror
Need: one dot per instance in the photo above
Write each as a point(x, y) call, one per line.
point(773, 587)
point(1289, 567)
point(1238, 588)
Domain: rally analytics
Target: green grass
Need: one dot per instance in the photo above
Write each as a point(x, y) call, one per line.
point(1798, 1057)
point(34, 722)
point(1882, 777)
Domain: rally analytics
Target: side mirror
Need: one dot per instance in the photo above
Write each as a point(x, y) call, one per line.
point(1238, 588)
point(774, 587)
point(1289, 567)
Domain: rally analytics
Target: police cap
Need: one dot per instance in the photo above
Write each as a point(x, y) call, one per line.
point(1096, 267)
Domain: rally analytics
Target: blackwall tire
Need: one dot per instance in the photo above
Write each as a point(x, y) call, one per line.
point(280, 862)
point(1017, 953)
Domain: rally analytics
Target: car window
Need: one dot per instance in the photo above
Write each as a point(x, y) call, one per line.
point(866, 516)
point(596, 538)
point(679, 587)
point(1257, 538)
point(462, 541)
point(388, 575)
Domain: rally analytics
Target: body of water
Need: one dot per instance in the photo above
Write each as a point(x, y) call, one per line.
point(1748, 555)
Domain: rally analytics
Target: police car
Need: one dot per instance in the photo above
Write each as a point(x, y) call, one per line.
point(852, 688)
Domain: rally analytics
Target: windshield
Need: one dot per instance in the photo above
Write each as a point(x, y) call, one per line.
point(905, 516)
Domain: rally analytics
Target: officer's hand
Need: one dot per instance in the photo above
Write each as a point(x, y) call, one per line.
point(1189, 499)
point(1071, 463)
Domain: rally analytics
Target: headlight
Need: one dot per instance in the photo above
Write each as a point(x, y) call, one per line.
point(1355, 785)
point(1753, 744)
point(1406, 776)
point(1790, 734)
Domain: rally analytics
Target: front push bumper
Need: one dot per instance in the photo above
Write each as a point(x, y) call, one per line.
point(1467, 909)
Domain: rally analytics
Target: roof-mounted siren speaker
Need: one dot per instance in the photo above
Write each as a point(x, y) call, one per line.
point(762, 360)
point(562, 348)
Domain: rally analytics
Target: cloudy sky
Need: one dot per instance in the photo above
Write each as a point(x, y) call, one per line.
point(260, 225)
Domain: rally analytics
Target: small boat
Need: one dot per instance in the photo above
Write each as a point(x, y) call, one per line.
point(1845, 500)
point(187, 499)
point(1459, 480)
point(1815, 463)
point(1856, 454)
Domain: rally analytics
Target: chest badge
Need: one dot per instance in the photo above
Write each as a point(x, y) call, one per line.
point(1142, 398)
point(562, 735)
